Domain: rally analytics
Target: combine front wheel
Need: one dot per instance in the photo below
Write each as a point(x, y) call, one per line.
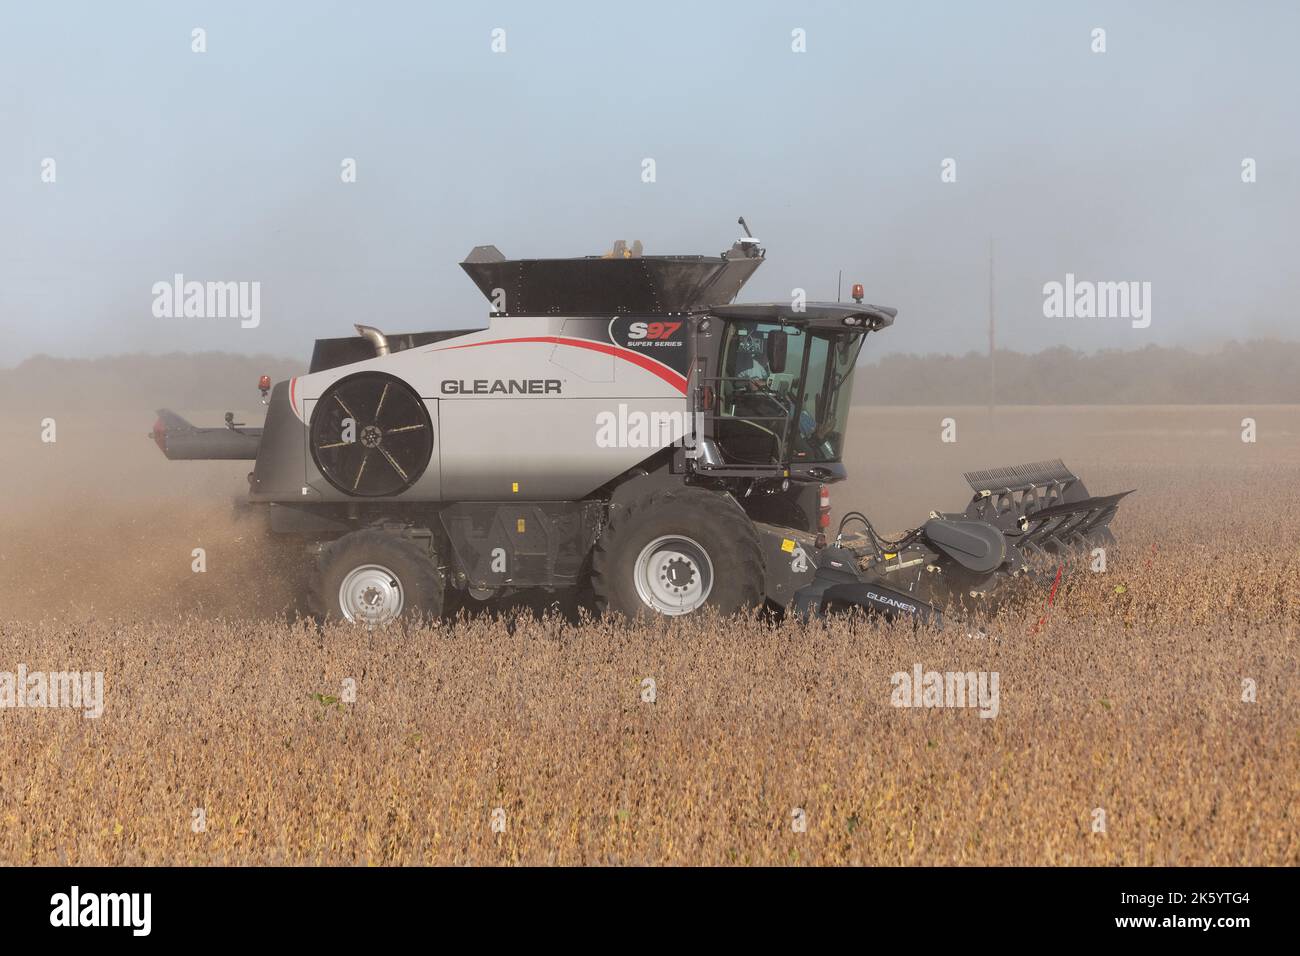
point(675, 552)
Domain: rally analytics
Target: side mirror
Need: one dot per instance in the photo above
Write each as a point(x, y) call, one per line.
point(776, 348)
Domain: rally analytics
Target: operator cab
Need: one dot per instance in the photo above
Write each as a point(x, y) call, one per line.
point(784, 385)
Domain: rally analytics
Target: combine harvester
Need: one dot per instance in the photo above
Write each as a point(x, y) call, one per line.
point(620, 427)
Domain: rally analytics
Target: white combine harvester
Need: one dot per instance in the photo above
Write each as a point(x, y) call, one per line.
point(620, 426)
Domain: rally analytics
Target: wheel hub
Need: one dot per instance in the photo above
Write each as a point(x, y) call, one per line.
point(370, 595)
point(678, 574)
point(673, 575)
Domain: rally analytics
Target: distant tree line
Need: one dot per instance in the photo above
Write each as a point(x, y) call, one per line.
point(140, 383)
point(1259, 371)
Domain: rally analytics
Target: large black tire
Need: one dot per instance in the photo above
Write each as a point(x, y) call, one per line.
point(394, 571)
point(728, 554)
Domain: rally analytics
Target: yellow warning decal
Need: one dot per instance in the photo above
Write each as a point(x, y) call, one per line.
point(890, 554)
point(519, 525)
point(787, 545)
point(515, 487)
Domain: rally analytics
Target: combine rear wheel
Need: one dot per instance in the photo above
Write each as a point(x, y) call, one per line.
point(373, 577)
point(675, 552)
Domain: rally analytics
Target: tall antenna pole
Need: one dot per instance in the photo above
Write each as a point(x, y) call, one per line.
point(839, 285)
point(993, 366)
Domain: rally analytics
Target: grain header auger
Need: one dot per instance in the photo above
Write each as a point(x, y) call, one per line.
point(620, 427)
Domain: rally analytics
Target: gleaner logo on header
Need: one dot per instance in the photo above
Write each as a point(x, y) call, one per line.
point(513, 386)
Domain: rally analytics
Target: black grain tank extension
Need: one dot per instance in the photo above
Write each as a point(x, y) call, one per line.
point(622, 282)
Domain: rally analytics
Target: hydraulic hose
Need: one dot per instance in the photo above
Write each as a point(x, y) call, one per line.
point(877, 542)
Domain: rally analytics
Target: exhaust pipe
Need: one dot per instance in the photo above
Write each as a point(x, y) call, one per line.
point(375, 337)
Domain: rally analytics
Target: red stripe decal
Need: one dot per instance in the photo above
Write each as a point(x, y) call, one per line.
point(673, 378)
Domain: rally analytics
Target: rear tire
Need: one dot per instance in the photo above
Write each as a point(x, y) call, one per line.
point(675, 552)
point(372, 577)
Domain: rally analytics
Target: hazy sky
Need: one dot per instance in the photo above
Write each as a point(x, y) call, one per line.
point(225, 165)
